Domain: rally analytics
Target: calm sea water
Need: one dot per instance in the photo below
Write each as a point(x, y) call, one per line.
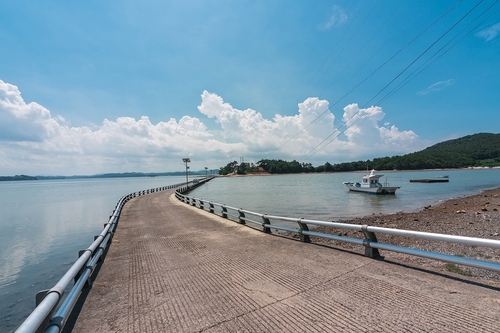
point(43, 224)
point(325, 197)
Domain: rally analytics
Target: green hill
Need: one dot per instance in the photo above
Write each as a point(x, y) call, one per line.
point(482, 149)
point(479, 147)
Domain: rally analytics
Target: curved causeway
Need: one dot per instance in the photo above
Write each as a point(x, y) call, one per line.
point(172, 267)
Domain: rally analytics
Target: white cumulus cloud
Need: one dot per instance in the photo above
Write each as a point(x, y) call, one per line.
point(20, 121)
point(33, 141)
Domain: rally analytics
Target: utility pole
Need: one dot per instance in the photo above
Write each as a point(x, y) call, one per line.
point(186, 161)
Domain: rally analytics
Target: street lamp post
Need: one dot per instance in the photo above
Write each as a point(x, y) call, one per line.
point(186, 161)
point(206, 172)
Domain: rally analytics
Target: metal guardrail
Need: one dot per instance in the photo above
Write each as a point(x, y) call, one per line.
point(264, 222)
point(52, 308)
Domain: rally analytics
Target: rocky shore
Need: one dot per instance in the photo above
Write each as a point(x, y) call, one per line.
point(473, 216)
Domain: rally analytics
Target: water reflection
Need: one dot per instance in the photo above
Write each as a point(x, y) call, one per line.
point(45, 223)
point(43, 226)
point(323, 196)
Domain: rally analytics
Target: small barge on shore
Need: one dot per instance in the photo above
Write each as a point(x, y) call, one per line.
point(370, 184)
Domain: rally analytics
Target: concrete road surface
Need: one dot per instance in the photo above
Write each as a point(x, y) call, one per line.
point(175, 268)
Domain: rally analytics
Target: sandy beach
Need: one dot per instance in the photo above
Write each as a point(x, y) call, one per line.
point(472, 216)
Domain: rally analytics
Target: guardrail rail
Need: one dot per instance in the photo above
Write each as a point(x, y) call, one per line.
point(264, 222)
point(53, 308)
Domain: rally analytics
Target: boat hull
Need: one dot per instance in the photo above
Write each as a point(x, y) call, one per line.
point(373, 190)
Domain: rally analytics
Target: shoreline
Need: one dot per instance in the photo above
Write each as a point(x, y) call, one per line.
point(265, 173)
point(476, 215)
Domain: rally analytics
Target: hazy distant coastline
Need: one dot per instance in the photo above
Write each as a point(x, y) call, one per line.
point(105, 175)
point(17, 177)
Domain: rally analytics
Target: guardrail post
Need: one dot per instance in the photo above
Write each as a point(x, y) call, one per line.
point(202, 204)
point(224, 211)
point(265, 229)
point(212, 208)
point(193, 202)
point(303, 227)
point(241, 218)
point(88, 282)
point(369, 237)
point(38, 299)
point(101, 257)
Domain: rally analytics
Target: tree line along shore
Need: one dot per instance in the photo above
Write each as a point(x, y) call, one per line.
point(478, 150)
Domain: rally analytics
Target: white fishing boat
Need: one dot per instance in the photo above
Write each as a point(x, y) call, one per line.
point(370, 184)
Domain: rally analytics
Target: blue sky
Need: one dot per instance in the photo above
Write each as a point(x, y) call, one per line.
point(91, 87)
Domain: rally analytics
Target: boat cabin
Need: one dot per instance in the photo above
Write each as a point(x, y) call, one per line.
point(371, 180)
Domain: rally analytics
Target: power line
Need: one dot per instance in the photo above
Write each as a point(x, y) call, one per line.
point(426, 50)
point(435, 55)
point(350, 118)
point(329, 108)
point(364, 80)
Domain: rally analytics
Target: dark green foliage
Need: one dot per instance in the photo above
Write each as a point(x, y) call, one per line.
point(229, 168)
point(241, 169)
point(481, 149)
point(280, 166)
point(479, 146)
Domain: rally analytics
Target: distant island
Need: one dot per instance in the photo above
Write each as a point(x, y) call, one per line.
point(478, 150)
point(17, 177)
point(121, 175)
point(104, 175)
